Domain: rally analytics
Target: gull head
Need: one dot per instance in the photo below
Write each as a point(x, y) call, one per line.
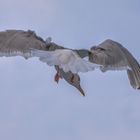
point(48, 40)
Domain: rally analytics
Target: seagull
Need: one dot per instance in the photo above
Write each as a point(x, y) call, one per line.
point(68, 63)
point(109, 55)
point(20, 43)
point(113, 56)
point(69, 77)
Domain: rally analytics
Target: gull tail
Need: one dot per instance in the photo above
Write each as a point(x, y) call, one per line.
point(76, 80)
point(81, 90)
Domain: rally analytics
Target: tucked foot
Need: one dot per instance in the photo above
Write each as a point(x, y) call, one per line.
point(57, 77)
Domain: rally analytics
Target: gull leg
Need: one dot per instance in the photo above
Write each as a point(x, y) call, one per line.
point(57, 76)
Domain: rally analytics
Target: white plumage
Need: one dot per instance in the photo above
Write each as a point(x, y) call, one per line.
point(66, 59)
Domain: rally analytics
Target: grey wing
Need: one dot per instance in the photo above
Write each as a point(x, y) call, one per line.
point(113, 56)
point(18, 42)
point(110, 55)
point(134, 73)
point(82, 52)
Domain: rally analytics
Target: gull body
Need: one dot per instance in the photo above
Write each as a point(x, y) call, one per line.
point(66, 59)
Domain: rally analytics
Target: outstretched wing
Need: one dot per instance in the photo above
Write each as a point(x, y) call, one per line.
point(66, 59)
point(18, 42)
point(113, 56)
point(110, 55)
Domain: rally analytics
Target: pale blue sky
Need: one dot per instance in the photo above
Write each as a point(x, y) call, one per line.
point(33, 107)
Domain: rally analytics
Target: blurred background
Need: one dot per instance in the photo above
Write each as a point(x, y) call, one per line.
point(34, 107)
